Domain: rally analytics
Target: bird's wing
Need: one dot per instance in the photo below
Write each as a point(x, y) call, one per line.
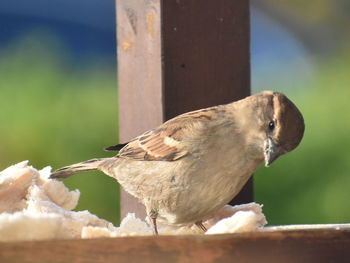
point(167, 142)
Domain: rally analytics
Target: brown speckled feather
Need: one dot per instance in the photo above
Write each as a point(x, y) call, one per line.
point(165, 142)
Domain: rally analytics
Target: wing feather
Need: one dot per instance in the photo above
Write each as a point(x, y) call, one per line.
point(166, 142)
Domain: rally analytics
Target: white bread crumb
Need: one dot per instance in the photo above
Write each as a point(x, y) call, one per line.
point(35, 207)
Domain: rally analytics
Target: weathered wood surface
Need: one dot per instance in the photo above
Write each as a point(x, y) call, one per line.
point(280, 246)
point(176, 56)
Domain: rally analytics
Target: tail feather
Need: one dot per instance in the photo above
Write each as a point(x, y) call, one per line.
point(67, 171)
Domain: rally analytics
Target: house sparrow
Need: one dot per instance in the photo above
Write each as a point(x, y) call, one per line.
point(197, 162)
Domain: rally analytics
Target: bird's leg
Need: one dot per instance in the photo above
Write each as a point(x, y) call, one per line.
point(201, 226)
point(154, 223)
point(153, 216)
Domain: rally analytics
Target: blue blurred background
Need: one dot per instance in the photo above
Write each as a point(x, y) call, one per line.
point(59, 97)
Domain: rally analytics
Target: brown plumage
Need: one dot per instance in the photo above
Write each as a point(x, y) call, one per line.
point(196, 162)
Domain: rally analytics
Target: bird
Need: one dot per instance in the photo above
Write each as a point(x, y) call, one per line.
point(195, 163)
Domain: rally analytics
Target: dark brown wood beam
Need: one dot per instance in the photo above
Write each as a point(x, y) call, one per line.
point(176, 56)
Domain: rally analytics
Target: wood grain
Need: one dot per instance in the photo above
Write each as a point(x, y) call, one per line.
point(280, 246)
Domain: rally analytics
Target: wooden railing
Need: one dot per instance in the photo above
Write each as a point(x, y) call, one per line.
point(300, 246)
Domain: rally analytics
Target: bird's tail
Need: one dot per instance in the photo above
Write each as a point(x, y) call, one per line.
point(67, 171)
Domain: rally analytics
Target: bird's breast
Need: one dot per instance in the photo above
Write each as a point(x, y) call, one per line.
point(207, 184)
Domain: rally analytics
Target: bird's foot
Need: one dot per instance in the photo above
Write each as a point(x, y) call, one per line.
point(201, 226)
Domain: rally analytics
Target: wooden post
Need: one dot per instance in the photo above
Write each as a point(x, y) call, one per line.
point(176, 56)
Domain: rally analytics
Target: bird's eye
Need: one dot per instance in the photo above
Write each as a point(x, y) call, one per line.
point(271, 125)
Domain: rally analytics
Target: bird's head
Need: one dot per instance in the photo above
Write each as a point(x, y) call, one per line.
point(275, 125)
point(285, 130)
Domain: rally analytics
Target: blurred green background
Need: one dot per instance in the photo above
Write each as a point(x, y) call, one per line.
point(54, 113)
point(59, 101)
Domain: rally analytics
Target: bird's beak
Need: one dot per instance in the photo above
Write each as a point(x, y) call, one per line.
point(271, 151)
